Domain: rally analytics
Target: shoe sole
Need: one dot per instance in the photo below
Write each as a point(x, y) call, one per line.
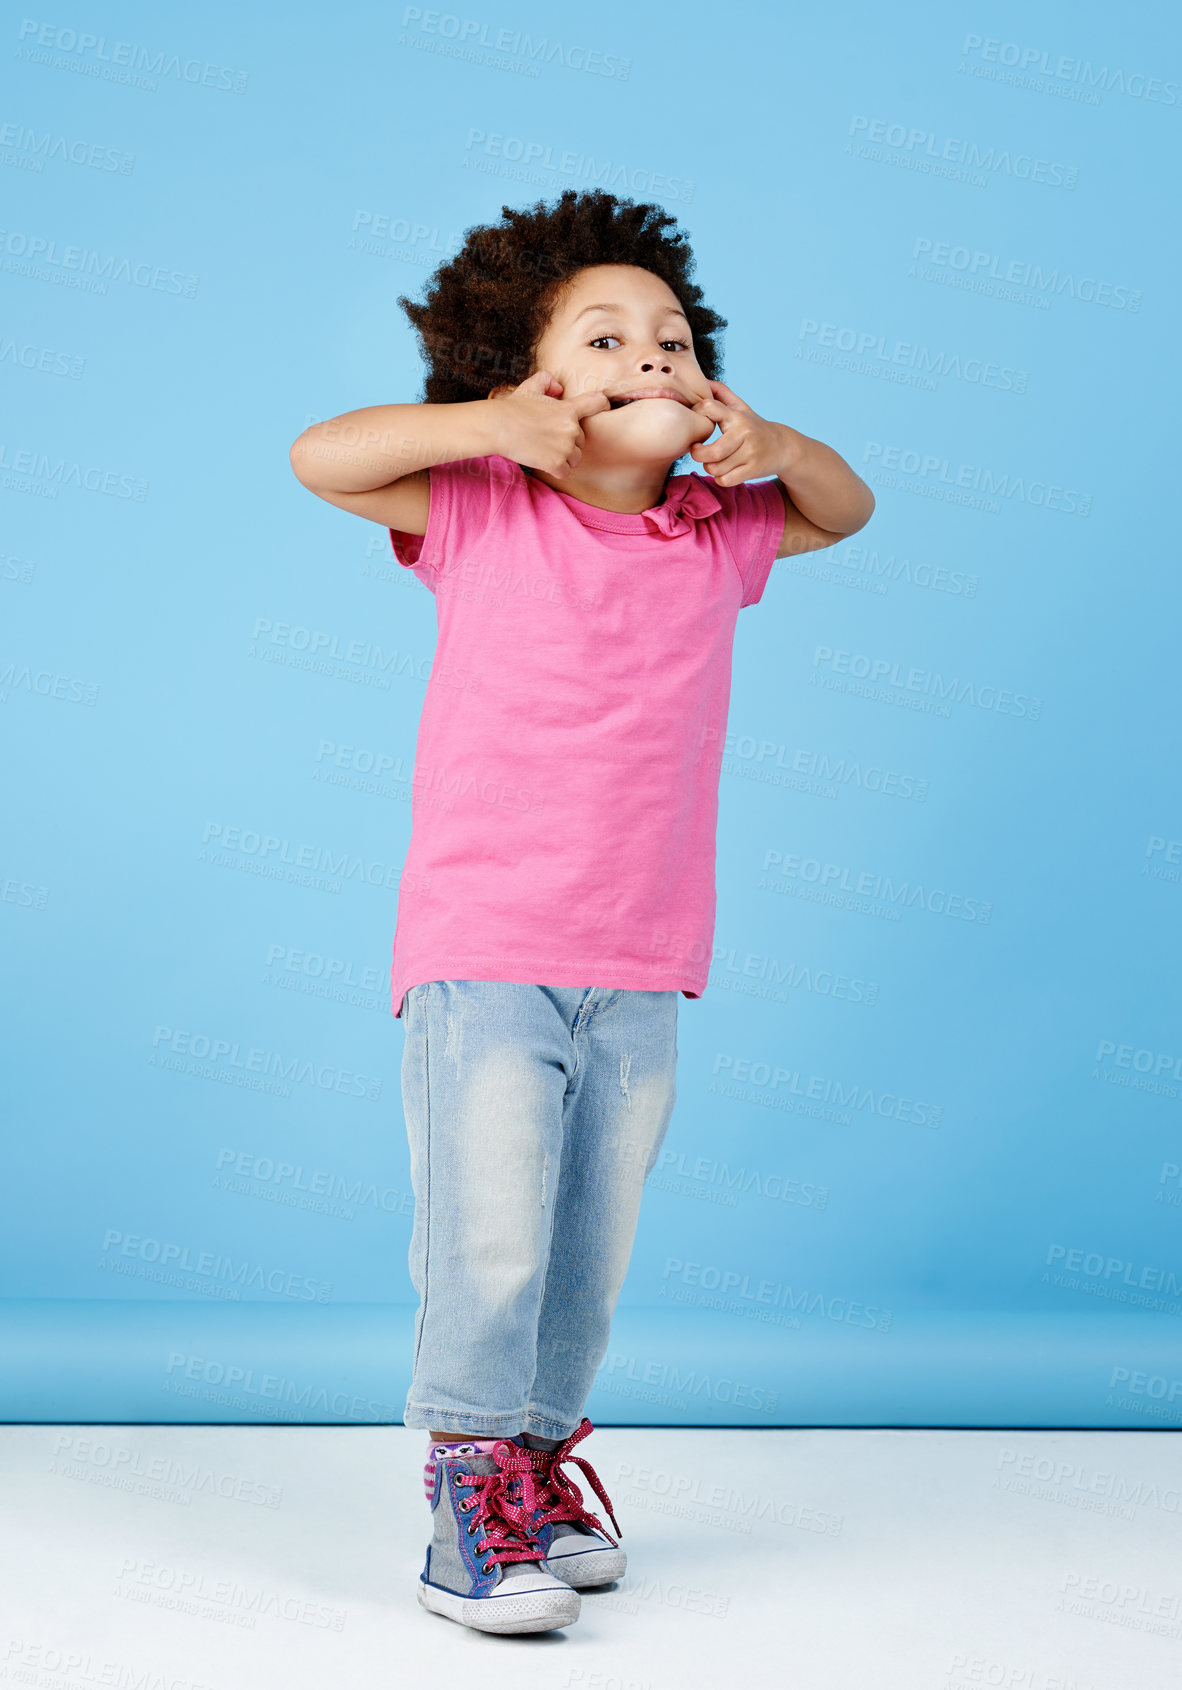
point(540, 1610)
point(592, 1566)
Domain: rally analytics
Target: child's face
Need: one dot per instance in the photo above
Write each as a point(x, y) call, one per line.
point(620, 330)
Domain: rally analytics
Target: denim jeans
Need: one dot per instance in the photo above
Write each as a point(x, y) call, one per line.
point(535, 1114)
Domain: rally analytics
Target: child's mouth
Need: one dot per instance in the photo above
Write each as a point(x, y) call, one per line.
point(622, 399)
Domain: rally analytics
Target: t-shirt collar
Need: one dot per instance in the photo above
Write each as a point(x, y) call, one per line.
point(687, 499)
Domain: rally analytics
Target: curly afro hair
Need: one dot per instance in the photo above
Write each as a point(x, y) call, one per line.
point(487, 308)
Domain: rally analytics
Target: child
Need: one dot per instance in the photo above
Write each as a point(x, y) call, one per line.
point(558, 891)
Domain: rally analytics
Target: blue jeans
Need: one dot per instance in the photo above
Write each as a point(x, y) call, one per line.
point(535, 1114)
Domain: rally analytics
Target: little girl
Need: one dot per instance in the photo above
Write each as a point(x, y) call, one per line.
point(558, 892)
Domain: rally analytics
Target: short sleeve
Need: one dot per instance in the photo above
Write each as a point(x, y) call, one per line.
point(465, 497)
point(752, 520)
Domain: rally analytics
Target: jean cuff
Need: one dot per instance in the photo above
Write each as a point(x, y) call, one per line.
point(541, 1425)
point(475, 1424)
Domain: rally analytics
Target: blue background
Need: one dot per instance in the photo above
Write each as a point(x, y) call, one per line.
point(924, 1163)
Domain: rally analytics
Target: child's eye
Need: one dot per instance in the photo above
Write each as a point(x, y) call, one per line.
point(683, 345)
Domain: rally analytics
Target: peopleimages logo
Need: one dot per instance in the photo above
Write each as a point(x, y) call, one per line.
point(109, 60)
point(840, 878)
point(1157, 1072)
point(69, 689)
point(1146, 1384)
point(927, 683)
point(46, 360)
point(24, 893)
point(293, 1177)
point(936, 472)
point(689, 1382)
point(1034, 62)
point(923, 146)
point(537, 51)
point(330, 653)
point(1068, 1477)
point(726, 962)
point(709, 1173)
point(733, 1282)
point(536, 156)
point(909, 355)
point(132, 1469)
point(60, 472)
point(77, 262)
point(253, 1060)
point(388, 226)
point(1155, 1062)
point(36, 148)
point(984, 268)
point(732, 1074)
point(332, 971)
point(1173, 855)
point(278, 856)
point(765, 756)
point(867, 570)
point(244, 1275)
point(1112, 1269)
point(305, 1399)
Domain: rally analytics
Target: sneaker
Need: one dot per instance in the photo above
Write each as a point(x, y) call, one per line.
point(576, 1545)
point(485, 1565)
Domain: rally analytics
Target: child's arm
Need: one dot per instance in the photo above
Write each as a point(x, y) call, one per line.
point(824, 500)
point(374, 462)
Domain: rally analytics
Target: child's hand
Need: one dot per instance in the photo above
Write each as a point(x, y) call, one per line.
point(535, 425)
point(750, 445)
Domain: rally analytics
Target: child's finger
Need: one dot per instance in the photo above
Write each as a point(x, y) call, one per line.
point(542, 382)
point(720, 447)
point(722, 458)
point(587, 404)
point(712, 408)
point(732, 477)
point(728, 396)
point(716, 451)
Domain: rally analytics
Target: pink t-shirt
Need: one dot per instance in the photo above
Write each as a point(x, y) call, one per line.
point(565, 797)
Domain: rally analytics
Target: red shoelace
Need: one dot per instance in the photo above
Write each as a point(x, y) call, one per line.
point(504, 1523)
point(559, 1497)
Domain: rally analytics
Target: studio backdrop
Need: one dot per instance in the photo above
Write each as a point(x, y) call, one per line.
point(925, 1165)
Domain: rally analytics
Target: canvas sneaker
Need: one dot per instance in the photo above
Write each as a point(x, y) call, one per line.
point(485, 1565)
point(577, 1546)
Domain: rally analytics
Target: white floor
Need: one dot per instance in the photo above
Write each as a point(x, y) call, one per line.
point(244, 1558)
